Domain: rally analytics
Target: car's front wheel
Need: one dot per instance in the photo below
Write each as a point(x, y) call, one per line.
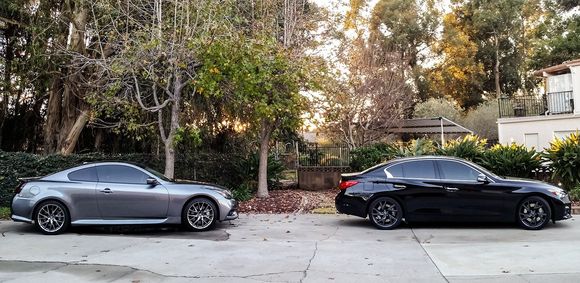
point(199, 214)
point(534, 213)
point(385, 213)
point(51, 218)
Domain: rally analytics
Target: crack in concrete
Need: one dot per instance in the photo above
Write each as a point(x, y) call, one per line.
point(132, 269)
point(428, 255)
point(305, 272)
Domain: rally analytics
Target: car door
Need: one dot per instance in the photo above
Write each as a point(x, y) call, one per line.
point(82, 193)
point(123, 193)
point(415, 183)
point(470, 199)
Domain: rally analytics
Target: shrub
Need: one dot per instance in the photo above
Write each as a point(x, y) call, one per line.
point(243, 192)
point(564, 155)
point(418, 147)
point(438, 107)
point(512, 160)
point(575, 194)
point(483, 120)
point(368, 156)
point(470, 147)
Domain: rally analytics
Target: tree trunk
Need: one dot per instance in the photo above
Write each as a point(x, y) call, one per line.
point(74, 134)
point(496, 69)
point(265, 133)
point(173, 125)
point(72, 92)
point(53, 112)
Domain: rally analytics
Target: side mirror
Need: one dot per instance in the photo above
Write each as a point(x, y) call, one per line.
point(152, 182)
point(482, 178)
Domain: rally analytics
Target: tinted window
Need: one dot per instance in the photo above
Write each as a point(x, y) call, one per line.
point(83, 175)
point(419, 169)
point(395, 171)
point(121, 174)
point(457, 171)
point(414, 169)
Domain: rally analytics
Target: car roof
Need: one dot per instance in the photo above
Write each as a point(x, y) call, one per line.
point(410, 158)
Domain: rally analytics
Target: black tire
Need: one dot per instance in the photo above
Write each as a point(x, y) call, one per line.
point(533, 213)
point(199, 214)
point(385, 213)
point(51, 218)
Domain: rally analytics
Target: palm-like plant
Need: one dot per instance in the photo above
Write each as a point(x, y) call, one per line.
point(470, 147)
point(564, 157)
point(512, 160)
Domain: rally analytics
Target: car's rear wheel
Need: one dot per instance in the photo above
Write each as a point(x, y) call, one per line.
point(51, 218)
point(534, 213)
point(199, 214)
point(385, 213)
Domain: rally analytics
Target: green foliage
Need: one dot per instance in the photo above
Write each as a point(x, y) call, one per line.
point(259, 79)
point(575, 194)
point(438, 107)
point(512, 160)
point(469, 147)
point(243, 192)
point(483, 120)
point(365, 157)
point(564, 155)
point(4, 212)
point(247, 169)
point(418, 147)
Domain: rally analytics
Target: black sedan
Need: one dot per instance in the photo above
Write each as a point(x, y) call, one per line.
point(432, 188)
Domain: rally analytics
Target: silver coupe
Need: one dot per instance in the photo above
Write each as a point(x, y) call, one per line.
point(115, 193)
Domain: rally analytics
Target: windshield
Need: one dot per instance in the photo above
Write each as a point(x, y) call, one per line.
point(157, 174)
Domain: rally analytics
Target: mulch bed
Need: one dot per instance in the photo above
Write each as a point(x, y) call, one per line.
point(289, 201)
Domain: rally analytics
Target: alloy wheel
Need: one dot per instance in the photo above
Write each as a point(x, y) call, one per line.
point(385, 213)
point(533, 213)
point(51, 218)
point(200, 215)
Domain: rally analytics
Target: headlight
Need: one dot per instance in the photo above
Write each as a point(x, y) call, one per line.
point(559, 193)
point(226, 194)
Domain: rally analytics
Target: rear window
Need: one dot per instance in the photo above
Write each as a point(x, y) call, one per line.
point(84, 175)
point(421, 169)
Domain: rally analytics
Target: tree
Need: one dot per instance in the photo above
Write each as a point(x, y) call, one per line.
point(156, 50)
point(407, 27)
point(558, 37)
point(458, 75)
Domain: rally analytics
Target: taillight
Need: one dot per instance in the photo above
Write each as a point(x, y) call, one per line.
point(346, 184)
point(19, 188)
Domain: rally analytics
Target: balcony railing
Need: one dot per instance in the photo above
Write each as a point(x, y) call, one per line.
point(524, 106)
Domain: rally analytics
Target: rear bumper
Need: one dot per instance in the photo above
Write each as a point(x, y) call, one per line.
point(21, 209)
point(350, 205)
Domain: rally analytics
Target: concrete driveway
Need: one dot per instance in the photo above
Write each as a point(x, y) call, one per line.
point(294, 248)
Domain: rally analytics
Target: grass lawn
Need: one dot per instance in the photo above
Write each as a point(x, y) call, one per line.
point(4, 212)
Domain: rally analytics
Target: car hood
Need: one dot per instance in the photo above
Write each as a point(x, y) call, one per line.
point(198, 183)
point(529, 183)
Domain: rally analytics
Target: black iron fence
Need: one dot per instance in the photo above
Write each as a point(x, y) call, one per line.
point(324, 155)
point(523, 106)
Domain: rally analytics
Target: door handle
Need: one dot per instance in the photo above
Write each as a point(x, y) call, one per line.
point(399, 186)
point(107, 191)
point(450, 189)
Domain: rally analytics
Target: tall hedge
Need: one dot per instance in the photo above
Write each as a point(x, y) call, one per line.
point(232, 170)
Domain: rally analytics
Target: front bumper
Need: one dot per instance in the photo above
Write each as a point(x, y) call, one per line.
point(233, 214)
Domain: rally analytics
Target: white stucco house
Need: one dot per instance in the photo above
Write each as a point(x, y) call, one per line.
point(536, 120)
